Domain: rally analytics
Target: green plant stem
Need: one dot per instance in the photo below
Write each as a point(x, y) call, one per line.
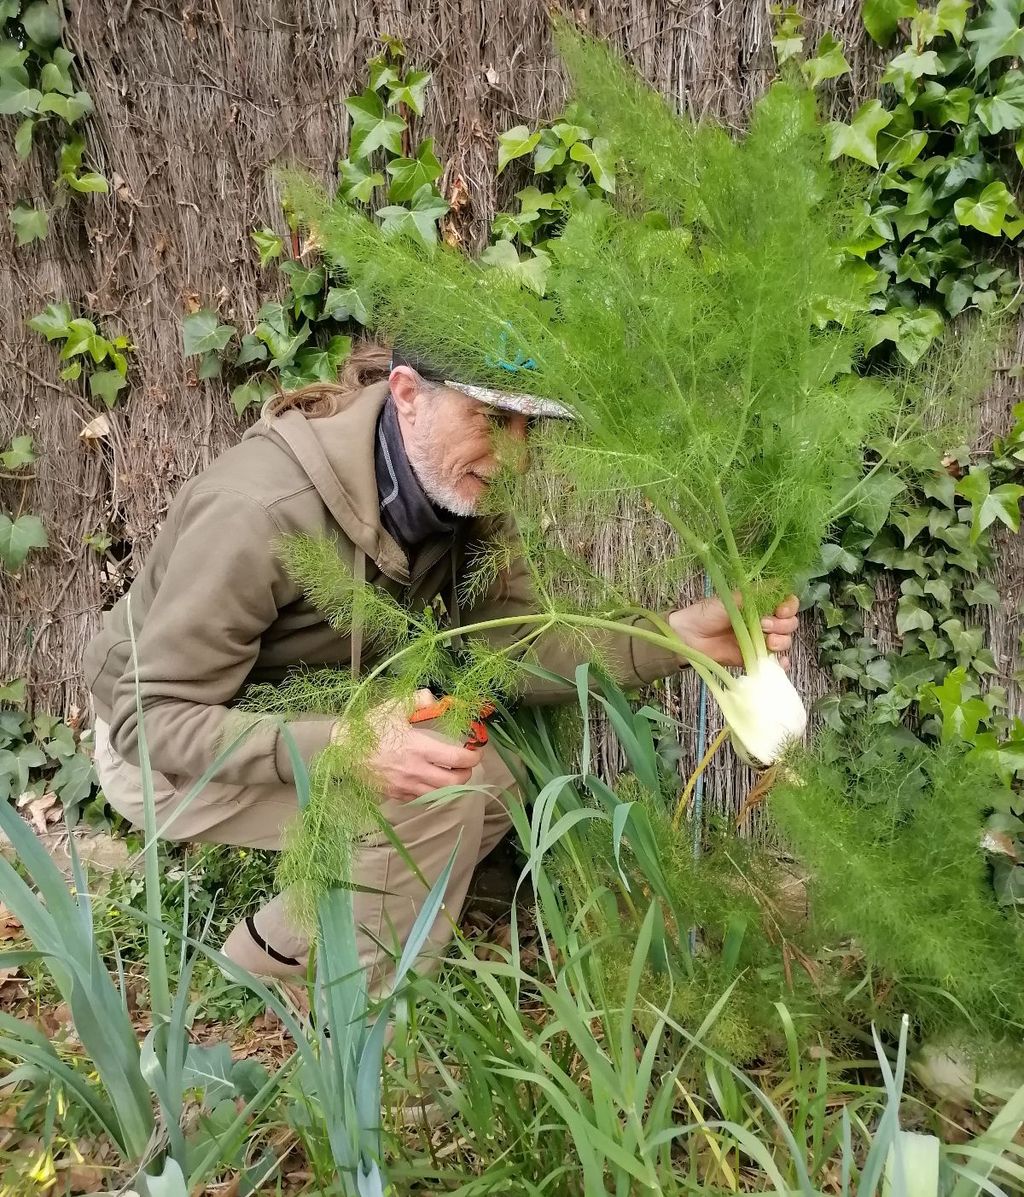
point(710, 671)
point(749, 609)
point(719, 581)
point(160, 988)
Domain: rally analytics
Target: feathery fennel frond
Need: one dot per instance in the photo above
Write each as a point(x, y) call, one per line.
point(900, 826)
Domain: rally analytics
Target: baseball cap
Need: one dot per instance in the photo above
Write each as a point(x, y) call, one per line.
point(519, 401)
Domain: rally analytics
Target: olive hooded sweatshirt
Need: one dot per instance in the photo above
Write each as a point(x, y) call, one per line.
point(214, 610)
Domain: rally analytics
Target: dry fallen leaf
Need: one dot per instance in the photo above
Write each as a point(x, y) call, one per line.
point(8, 974)
point(1000, 843)
point(81, 1178)
point(10, 927)
point(40, 810)
point(96, 428)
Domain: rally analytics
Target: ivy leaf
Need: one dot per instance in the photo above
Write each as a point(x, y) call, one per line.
point(106, 385)
point(74, 780)
point(87, 183)
point(13, 693)
point(916, 332)
point(828, 62)
point(961, 709)
point(382, 74)
point(303, 280)
point(954, 108)
point(599, 158)
point(940, 590)
point(345, 303)
point(986, 212)
point(420, 219)
point(373, 127)
point(251, 350)
point(411, 91)
point(957, 291)
point(982, 592)
point(550, 152)
point(82, 338)
point(408, 175)
point(568, 133)
point(254, 392)
point(20, 453)
point(911, 65)
point(319, 365)
point(530, 270)
point(42, 22)
point(56, 74)
point(949, 16)
point(787, 44)
point(911, 616)
point(996, 33)
point(859, 138)
point(911, 523)
point(989, 505)
point(508, 226)
point(30, 224)
point(23, 138)
point(18, 538)
point(903, 150)
point(277, 332)
point(532, 201)
point(268, 245)
point(515, 143)
point(876, 495)
point(941, 487)
point(68, 108)
point(16, 95)
point(882, 17)
point(1005, 109)
point(357, 183)
point(12, 55)
point(202, 332)
point(834, 556)
point(209, 367)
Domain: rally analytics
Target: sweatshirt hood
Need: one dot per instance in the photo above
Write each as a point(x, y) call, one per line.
point(337, 455)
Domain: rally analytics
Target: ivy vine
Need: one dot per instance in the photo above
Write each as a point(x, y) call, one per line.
point(38, 86)
point(944, 138)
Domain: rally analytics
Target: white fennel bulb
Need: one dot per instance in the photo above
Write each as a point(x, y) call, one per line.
point(764, 712)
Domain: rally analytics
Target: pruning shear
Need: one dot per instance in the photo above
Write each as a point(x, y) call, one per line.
point(477, 729)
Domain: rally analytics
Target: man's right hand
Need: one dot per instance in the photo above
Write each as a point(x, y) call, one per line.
point(411, 761)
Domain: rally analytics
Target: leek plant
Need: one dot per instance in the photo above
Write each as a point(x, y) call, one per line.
point(550, 1088)
point(140, 1092)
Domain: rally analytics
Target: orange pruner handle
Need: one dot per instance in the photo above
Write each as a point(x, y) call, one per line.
point(477, 729)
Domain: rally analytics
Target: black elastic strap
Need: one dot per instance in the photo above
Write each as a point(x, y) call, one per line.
point(272, 952)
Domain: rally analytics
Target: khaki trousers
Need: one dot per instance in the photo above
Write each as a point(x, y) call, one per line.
point(256, 817)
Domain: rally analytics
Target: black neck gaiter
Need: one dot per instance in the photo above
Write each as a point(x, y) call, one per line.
point(405, 511)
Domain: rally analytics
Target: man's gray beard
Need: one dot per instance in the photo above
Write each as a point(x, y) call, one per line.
point(439, 492)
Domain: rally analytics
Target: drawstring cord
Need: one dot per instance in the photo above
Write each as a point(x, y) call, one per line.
point(356, 636)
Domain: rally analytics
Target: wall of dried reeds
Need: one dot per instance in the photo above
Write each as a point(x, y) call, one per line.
point(194, 103)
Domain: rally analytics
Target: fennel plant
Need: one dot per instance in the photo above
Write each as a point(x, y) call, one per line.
point(705, 331)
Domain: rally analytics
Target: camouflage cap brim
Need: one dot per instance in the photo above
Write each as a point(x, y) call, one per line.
point(528, 405)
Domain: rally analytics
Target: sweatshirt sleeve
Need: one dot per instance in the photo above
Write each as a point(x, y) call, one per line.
point(221, 589)
point(630, 660)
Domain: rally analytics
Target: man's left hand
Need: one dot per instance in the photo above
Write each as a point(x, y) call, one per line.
point(705, 626)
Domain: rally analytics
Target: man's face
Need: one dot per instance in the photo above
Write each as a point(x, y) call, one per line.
point(456, 444)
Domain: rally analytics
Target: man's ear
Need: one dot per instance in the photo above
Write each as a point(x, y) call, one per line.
point(405, 386)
